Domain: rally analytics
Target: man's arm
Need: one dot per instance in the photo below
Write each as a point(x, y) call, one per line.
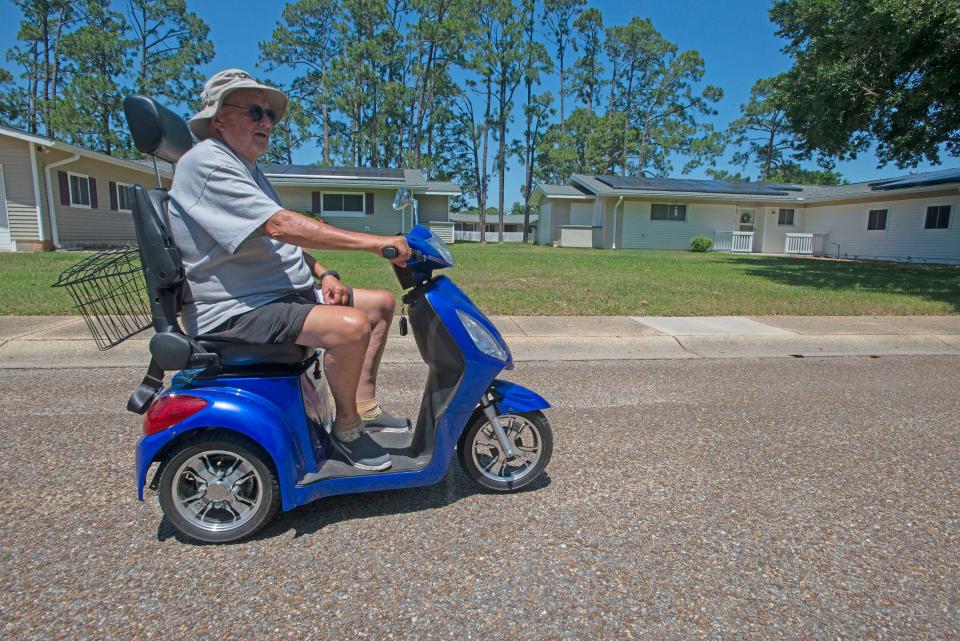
point(297, 229)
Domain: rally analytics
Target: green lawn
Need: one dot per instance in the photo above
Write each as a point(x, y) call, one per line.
point(529, 280)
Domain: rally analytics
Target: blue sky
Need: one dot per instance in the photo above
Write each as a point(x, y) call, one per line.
point(735, 38)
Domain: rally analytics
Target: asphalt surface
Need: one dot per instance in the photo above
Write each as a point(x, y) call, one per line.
point(775, 498)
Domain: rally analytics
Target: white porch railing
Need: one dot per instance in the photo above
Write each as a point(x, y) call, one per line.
point(492, 236)
point(733, 241)
point(806, 244)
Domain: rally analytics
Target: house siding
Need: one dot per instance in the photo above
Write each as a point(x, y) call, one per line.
point(432, 208)
point(904, 239)
point(77, 226)
point(639, 232)
point(774, 235)
point(18, 184)
point(544, 229)
point(384, 220)
point(559, 216)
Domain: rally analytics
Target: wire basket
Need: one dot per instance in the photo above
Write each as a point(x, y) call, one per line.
point(109, 291)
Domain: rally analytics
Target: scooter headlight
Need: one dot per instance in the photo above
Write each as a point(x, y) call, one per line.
point(482, 338)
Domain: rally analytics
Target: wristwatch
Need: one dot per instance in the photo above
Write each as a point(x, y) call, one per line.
point(329, 272)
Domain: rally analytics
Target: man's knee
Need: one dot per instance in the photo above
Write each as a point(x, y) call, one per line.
point(329, 326)
point(386, 301)
point(378, 304)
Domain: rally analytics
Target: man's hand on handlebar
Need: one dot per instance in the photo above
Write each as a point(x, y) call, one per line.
point(396, 250)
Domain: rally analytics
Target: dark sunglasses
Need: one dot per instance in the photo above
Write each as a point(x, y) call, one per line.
point(256, 112)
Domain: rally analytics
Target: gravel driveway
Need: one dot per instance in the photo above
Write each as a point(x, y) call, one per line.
point(718, 499)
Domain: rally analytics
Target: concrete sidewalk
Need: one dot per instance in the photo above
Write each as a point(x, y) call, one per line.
point(63, 341)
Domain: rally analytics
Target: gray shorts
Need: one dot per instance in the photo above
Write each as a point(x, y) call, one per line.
point(279, 321)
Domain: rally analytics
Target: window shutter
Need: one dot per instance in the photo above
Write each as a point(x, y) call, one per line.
point(368, 203)
point(316, 206)
point(64, 188)
point(93, 193)
point(113, 196)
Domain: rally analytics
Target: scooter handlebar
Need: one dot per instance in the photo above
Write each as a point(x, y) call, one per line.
point(392, 252)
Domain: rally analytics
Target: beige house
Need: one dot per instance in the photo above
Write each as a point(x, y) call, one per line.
point(913, 218)
point(56, 195)
point(361, 198)
point(59, 196)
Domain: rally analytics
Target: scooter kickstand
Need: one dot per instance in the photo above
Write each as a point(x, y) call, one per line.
point(491, 413)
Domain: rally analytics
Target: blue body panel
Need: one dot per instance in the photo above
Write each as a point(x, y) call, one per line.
point(270, 410)
point(516, 398)
point(267, 410)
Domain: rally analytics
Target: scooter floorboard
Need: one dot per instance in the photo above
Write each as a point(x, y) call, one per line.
point(397, 445)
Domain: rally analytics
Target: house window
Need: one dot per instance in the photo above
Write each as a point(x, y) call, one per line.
point(938, 217)
point(877, 220)
point(668, 212)
point(79, 190)
point(124, 197)
point(786, 217)
point(343, 205)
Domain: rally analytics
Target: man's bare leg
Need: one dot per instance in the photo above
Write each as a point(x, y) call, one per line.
point(378, 305)
point(344, 334)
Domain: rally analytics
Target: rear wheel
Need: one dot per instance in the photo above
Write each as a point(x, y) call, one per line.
point(219, 489)
point(484, 460)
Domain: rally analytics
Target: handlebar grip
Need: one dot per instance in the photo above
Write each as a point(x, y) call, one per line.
point(390, 252)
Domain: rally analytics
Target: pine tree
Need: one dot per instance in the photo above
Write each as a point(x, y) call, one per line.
point(95, 58)
point(40, 54)
point(171, 44)
point(558, 17)
point(588, 68)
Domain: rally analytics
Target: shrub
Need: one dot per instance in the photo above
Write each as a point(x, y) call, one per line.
point(701, 244)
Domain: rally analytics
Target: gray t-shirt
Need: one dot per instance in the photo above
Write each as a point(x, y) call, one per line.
point(217, 206)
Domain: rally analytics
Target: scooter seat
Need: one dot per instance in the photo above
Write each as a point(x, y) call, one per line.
point(238, 354)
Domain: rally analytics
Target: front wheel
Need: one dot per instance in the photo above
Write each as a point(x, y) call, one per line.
point(484, 460)
point(219, 489)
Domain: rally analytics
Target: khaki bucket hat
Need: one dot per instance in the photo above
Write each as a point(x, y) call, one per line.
point(221, 85)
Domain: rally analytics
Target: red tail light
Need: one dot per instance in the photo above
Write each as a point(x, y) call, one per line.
point(170, 410)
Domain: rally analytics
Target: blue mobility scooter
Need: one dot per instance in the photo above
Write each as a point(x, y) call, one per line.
point(243, 430)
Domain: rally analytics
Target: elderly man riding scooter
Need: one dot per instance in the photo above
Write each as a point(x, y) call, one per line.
point(248, 276)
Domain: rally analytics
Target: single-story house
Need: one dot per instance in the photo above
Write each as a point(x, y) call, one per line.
point(54, 195)
point(910, 218)
point(361, 198)
point(467, 226)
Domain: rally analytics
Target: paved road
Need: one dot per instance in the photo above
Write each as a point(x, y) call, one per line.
point(812, 498)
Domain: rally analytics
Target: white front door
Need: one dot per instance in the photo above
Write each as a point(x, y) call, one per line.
point(5, 243)
point(746, 218)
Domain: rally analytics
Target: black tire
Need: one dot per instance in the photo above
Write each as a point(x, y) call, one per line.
point(250, 498)
point(481, 456)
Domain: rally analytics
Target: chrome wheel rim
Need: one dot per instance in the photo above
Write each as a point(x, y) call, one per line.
point(217, 490)
point(490, 459)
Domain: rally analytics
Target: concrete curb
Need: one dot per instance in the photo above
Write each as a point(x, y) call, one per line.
point(63, 342)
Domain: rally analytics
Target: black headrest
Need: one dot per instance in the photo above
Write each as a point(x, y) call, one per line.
point(155, 129)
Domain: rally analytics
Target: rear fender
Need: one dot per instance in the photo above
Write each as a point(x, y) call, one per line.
point(510, 398)
point(242, 413)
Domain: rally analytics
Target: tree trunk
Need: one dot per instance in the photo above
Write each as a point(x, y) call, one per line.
point(482, 197)
point(326, 117)
point(33, 87)
point(768, 156)
point(502, 159)
point(46, 72)
point(563, 118)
